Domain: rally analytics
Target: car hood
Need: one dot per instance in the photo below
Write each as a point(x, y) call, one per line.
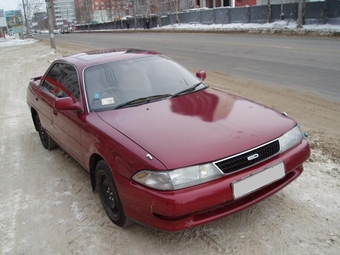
point(199, 127)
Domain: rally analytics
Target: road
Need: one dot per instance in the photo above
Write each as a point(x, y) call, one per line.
point(311, 64)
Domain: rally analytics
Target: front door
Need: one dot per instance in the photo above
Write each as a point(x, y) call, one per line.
point(67, 123)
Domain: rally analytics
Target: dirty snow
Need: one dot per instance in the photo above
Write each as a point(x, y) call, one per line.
point(10, 41)
point(291, 25)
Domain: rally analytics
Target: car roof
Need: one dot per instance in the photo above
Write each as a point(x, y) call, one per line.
point(90, 58)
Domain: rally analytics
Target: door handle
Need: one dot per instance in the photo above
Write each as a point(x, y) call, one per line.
point(55, 112)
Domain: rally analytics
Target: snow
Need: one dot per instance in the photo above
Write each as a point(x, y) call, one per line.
point(282, 25)
point(10, 41)
point(275, 25)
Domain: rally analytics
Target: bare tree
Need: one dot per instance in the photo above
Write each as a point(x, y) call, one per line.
point(84, 12)
point(111, 9)
point(33, 6)
point(29, 8)
point(176, 5)
point(156, 8)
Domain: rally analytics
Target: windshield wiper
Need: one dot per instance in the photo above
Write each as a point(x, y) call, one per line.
point(187, 90)
point(142, 100)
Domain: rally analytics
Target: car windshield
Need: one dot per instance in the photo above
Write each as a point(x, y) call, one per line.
point(136, 81)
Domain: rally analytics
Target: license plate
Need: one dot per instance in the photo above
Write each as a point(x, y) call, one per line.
point(258, 180)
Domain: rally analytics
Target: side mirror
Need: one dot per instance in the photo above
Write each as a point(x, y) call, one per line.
point(66, 103)
point(201, 74)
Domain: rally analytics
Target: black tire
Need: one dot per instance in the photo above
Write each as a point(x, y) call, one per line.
point(45, 139)
point(109, 195)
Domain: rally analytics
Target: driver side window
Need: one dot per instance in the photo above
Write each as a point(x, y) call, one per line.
point(62, 81)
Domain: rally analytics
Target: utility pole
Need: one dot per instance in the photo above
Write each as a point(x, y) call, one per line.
point(299, 25)
point(27, 26)
point(87, 15)
point(50, 22)
point(134, 12)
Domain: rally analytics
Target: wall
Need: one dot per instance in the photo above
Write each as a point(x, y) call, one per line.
point(316, 13)
point(3, 22)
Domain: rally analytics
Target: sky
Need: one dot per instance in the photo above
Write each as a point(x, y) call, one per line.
point(9, 5)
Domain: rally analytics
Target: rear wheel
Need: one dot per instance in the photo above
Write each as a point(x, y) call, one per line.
point(109, 195)
point(45, 139)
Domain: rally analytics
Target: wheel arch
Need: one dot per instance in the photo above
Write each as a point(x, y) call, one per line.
point(95, 158)
point(34, 115)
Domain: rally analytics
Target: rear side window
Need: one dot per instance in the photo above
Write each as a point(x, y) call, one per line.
point(62, 81)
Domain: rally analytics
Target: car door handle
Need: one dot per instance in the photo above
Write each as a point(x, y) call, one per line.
point(37, 98)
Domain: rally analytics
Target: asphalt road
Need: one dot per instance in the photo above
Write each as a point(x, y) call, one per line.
point(311, 64)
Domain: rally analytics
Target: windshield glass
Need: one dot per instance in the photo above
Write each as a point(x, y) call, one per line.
point(111, 85)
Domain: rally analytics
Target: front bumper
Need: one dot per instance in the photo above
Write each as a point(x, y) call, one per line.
point(201, 204)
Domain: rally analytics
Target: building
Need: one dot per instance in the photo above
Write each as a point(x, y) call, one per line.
point(3, 23)
point(239, 3)
point(84, 11)
point(106, 10)
point(209, 3)
point(100, 11)
point(64, 12)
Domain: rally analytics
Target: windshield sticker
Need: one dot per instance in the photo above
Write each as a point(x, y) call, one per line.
point(106, 101)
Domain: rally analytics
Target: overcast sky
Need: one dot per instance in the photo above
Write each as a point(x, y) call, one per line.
point(9, 5)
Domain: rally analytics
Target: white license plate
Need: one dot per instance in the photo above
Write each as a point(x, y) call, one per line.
point(258, 180)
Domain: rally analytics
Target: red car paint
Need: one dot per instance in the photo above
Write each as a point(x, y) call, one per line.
point(199, 127)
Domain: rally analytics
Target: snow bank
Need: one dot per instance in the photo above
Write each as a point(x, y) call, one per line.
point(9, 41)
point(278, 27)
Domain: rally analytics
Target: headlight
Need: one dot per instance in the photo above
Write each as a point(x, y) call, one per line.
point(179, 178)
point(290, 139)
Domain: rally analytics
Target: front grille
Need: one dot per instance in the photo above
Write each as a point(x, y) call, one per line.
point(249, 158)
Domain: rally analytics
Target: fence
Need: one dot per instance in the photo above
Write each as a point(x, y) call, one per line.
point(316, 12)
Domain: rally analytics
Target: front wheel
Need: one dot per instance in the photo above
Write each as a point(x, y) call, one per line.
point(109, 195)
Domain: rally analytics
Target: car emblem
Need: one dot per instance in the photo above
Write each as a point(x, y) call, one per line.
point(254, 156)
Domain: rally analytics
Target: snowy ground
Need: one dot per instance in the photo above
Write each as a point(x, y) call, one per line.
point(9, 41)
point(47, 205)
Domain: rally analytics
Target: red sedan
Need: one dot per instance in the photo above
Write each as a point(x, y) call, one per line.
point(161, 147)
